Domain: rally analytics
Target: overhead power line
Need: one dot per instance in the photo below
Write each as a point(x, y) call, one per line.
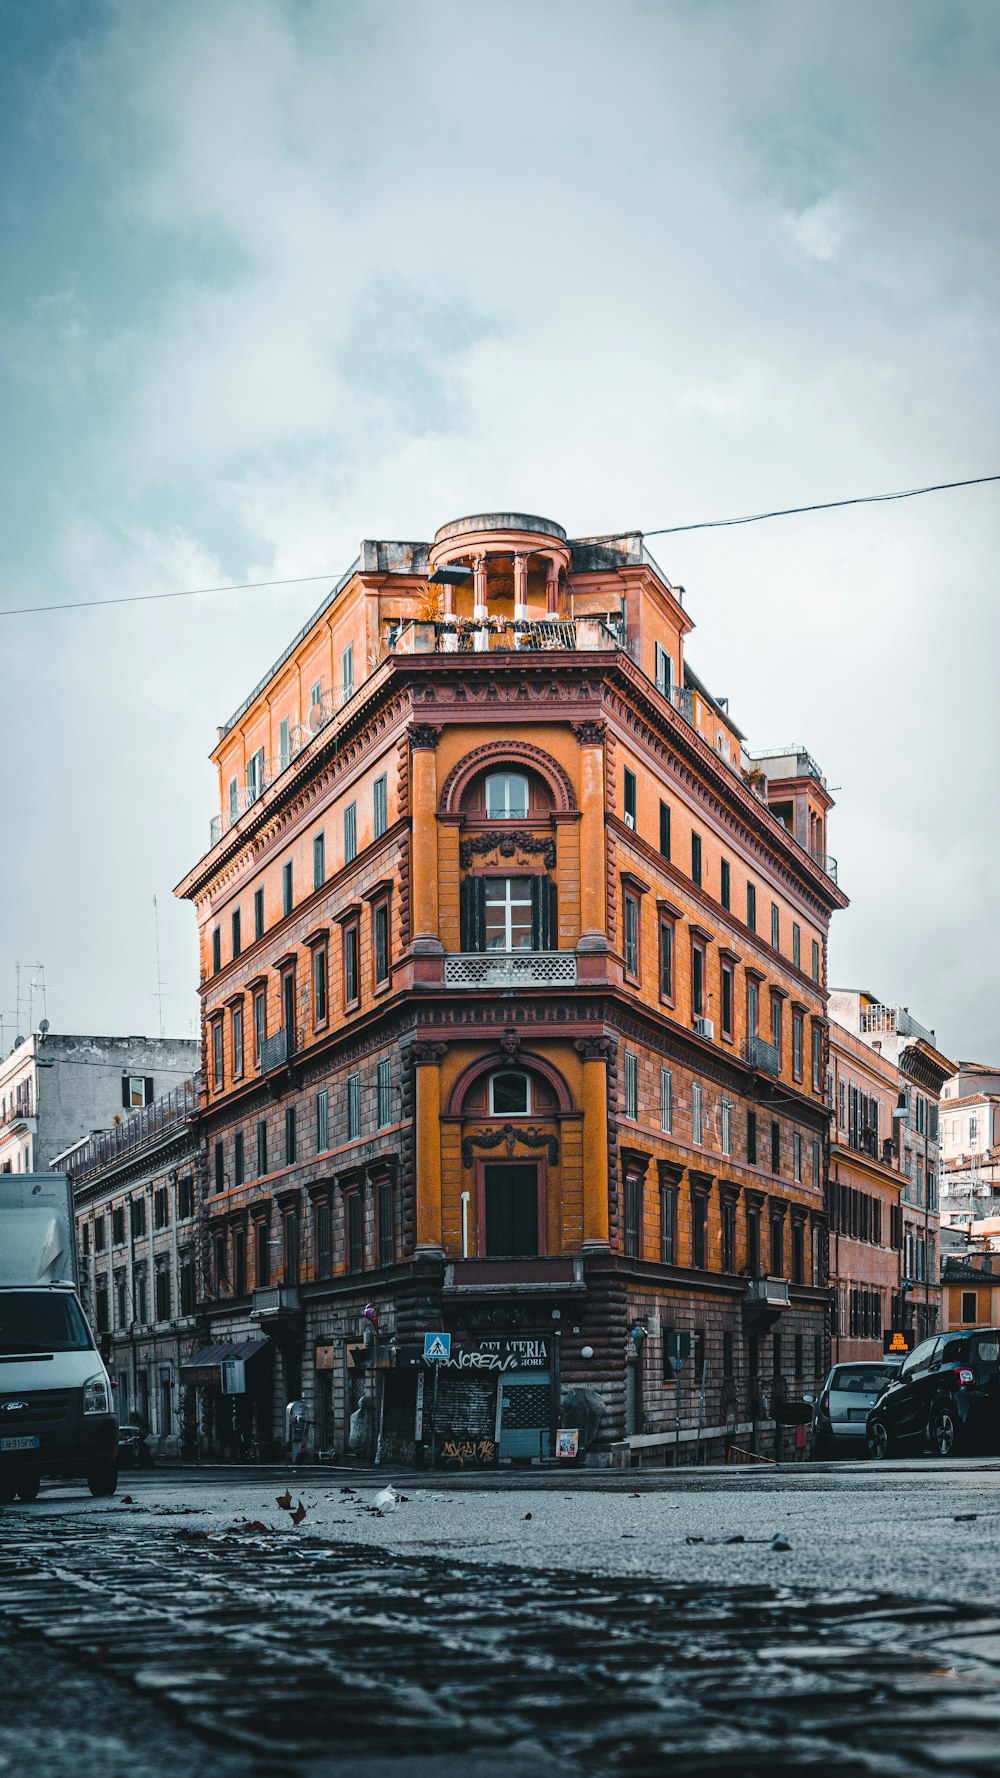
point(752, 518)
point(784, 512)
point(190, 592)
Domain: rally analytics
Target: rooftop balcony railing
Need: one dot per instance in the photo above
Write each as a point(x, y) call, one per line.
point(509, 969)
point(494, 635)
point(764, 1056)
point(150, 1124)
point(892, 1020)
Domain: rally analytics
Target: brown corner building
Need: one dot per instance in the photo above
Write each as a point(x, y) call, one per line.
point(513, 977)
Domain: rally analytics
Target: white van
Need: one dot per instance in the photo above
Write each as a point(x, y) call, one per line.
point(57, 1415)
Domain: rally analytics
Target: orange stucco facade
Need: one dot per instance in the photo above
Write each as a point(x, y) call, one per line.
point(513, 975)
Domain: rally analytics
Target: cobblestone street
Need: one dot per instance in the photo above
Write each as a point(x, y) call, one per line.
point(170, 1619)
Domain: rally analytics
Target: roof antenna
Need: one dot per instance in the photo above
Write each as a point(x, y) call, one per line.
point(159, 979)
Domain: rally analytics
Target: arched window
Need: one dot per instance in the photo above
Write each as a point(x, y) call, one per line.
point(506, 796)
point(510, 1093)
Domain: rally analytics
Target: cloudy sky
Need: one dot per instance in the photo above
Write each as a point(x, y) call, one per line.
point(277, 275)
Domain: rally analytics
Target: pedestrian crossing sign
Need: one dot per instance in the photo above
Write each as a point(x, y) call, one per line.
point(437, 1347)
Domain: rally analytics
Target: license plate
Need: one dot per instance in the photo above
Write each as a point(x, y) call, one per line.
point(20, 1444)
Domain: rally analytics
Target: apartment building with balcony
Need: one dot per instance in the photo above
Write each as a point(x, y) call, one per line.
point(864, 1198)
point(513, 978)
point(894, 1034)
point(136, 1193)
point(970, 1153)
point(56, 1088)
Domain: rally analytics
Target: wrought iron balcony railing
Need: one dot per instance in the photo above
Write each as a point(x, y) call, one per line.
point(764, 1056)
point(509, 969)
point(277, 1050)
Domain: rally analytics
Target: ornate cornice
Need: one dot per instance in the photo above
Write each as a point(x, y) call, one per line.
point(509, 1135)
point(507, 845)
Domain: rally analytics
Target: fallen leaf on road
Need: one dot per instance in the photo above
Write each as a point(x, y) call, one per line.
point(284, 1501)
point(299, 1514)
point(527, 1515)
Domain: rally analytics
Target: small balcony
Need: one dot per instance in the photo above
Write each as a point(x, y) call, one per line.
point(272, 1301)
point(277, 1050)
point(764, 1056)
point(510, 969)
point(769, 1293)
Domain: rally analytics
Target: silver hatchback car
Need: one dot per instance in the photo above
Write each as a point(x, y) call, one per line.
point(841, 1413)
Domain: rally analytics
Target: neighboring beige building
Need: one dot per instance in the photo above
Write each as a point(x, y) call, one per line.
point(864, 1198)
point(893, 1032)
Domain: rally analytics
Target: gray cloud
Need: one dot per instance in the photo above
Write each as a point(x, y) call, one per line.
point(352, 270)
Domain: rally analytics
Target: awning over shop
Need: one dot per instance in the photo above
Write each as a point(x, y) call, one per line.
point(206, 1366)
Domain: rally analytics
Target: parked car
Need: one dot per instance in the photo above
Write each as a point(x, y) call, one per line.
point(133, 1449)
point(840, 1415)
point(945, 1398)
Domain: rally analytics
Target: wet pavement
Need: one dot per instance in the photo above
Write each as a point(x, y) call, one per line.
point(175, 1625)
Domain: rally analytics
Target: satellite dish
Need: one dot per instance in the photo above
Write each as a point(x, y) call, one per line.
point(18, 1042)
point(316, 718)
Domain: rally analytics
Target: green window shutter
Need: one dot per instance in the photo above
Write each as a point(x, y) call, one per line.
point(541, 914)
point(473, 914)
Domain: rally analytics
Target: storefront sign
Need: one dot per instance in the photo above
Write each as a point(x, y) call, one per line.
point(234, 1381)
point(895, 1340)
point(567, 1441)
point(508, 1354)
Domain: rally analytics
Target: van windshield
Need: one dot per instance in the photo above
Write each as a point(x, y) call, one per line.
point(37, 1321)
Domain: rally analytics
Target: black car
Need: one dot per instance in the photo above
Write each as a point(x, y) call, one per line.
point(945, 1398)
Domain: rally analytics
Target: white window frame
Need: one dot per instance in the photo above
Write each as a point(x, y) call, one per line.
point(726, 1127)
point(697, 1113)
point(503, 812)
point(664, 670)
point(507, 1073)
point(347, 671)
point(508, 903)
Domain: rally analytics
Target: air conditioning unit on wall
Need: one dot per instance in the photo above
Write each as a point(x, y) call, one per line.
point(704, 1027)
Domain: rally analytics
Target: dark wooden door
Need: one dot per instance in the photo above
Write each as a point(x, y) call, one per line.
point(511, 1203)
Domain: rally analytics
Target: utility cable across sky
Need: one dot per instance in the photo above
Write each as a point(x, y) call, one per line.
point(753, 518)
